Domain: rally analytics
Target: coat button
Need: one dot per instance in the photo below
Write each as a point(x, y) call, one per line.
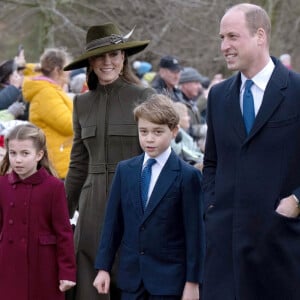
point(142, 252)
point(12, 204)
point(11, 222)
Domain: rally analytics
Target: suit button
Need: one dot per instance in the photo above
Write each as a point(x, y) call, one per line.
point(12, 204)
point(142, 228)
point(11, 222)
point(142, 252)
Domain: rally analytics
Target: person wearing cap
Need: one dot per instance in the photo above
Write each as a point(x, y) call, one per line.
point(191, 87)
point(167, 79)
point(104, 134)
point(141, 68)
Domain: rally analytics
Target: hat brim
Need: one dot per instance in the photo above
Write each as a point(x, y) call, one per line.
point(175, 69)
point(191, 79)
point(131, 48)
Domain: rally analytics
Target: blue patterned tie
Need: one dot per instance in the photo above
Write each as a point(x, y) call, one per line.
point(248, 106)
point(145, 180)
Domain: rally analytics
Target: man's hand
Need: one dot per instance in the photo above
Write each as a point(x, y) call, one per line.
point(288, 207)
point(191, 291)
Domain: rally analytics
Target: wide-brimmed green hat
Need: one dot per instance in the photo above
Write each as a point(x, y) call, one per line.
point(105, 38)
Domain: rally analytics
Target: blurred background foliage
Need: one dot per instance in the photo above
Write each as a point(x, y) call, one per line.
point(187, 29)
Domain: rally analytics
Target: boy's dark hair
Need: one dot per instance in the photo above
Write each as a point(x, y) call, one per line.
point(158, 109)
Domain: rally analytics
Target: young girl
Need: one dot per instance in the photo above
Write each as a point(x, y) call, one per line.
point(36, 242)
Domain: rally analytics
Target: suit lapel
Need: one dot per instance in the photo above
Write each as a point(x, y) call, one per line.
point(135, 184)
point(167, 176)
point(234, 109)
point(273, 97)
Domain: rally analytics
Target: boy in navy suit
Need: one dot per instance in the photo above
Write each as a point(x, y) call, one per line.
point(158, 237)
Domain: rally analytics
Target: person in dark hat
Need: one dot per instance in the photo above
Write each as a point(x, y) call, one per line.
point(167, 79)
point(104, 134)
point(190, 74)
point(190, 83)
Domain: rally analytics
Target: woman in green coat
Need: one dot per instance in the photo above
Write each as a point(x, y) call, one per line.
point(104, 134)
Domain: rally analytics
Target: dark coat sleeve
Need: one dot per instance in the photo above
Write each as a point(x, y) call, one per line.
point(8, 96)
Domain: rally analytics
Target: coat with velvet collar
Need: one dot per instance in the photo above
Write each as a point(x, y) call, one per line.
point(252, 252)
point(36, 239)
point(160, 247)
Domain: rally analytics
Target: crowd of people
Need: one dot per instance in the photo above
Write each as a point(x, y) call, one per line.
point(27, 86)
point(178, 186)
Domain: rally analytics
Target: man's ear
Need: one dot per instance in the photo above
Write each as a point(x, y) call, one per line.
point(261, 35)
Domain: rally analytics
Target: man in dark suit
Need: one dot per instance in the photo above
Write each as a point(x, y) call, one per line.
point(251, 169)
point(159, 240)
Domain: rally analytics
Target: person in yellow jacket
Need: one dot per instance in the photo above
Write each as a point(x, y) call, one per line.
point(50, 106)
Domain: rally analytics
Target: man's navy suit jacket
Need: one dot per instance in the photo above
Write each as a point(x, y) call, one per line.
point(252, 252)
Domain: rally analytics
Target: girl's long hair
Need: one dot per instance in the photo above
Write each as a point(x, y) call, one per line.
point(28, 131)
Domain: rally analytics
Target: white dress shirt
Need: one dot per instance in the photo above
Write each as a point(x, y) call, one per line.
point(260, 80)
point(156, 168)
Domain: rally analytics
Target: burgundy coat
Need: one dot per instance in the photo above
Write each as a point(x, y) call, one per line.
point(36, 240)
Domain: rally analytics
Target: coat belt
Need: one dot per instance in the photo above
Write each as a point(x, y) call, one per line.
point(102, 168)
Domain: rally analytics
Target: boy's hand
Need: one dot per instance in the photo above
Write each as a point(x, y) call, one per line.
point(65, 285)
point(102, 282)
point(191, 291)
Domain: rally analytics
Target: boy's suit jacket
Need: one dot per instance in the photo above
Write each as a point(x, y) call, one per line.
point(160, 247)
